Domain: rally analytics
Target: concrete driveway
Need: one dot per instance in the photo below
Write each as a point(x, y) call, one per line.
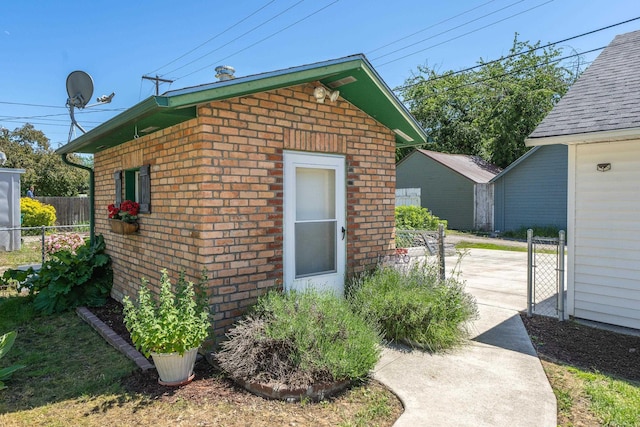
point(495, 278)
point(495, 380)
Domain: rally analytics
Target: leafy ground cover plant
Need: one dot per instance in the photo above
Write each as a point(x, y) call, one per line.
point(296, 339)
point(6, 341)
point(414, 306)
point(177, 322)
point(67, 281)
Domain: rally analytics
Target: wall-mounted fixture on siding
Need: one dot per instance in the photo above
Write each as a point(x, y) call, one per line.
point(604, 167)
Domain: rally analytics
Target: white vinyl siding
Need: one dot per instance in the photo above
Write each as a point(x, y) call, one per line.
point(606, 262)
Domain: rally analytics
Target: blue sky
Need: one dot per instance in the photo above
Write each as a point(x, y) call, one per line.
point(118, 42)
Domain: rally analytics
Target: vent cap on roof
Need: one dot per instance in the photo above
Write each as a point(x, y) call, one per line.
point(225, 72)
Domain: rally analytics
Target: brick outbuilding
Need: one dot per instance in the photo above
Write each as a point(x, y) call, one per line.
point(267, 181)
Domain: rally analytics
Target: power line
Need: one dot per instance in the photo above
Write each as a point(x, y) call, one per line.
point(32, 105)
point(212, 38)
point(235, 39)
point(487, 79)
point(523, 53)
point(450, 29)
point(466, 34)
point(262, 40)
point(429, 27)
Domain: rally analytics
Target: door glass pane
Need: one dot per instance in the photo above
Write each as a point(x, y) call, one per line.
point(315, 194)
point(315, 248)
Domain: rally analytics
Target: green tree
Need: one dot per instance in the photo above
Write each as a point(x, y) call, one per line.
point(490, 109)
point(29, 149)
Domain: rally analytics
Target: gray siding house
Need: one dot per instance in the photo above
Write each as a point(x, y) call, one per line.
point(598, 120)
point(455, 187)
point(532, 191)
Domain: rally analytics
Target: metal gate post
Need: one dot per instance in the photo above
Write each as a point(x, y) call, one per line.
point(529, 272)
point(561, 301)
point(441, 251)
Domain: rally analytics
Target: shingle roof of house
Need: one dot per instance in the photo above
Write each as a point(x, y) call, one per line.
point(606, 97)
point(472, 167)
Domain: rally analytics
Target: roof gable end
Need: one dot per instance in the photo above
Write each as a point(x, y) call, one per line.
point(353, 76)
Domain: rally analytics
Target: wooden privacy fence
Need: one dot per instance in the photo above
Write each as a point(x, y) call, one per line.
point(69, 210)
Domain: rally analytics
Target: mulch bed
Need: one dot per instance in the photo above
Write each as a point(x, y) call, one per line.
point(584, 346)
point(560, 342)
point(208, 380)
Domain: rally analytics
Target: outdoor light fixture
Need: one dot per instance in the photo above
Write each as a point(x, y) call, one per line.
point(320, 93)
point(604, 167)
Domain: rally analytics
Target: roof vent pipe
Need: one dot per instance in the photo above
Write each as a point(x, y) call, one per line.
point(225, 72)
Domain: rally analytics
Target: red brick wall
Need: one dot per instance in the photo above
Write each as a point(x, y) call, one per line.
point(216, 193)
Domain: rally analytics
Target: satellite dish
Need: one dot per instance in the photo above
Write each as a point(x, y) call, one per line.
point(79, 89)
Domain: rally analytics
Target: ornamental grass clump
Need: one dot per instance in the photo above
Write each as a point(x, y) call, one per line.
point(414, 306)
point(297, 339)
point(174, 323)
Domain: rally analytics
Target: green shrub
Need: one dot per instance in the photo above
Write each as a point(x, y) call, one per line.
point(299, 338)
point(416, 218)
point(36, 214)
point(67, 281)
point(414, 307)
point(539, 231)
point(179, 321)
point(6, 341)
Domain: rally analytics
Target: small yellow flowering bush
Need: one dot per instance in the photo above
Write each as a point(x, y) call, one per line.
point(36, 214)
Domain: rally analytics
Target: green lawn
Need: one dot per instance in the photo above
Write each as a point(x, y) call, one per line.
point(73, 377)
point(29, 253)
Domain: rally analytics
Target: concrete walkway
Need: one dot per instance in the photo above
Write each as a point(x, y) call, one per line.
point(495, 380)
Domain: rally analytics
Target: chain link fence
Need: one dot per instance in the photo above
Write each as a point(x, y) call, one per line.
point(545, 276)
point(34, 241)
point(424, 247)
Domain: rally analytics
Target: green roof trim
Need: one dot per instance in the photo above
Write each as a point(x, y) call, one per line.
point(363, 88)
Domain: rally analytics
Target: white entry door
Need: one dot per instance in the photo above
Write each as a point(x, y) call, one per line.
point(314, 222)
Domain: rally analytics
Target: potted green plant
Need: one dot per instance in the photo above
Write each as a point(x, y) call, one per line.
point(124, 218)
point(170, 329)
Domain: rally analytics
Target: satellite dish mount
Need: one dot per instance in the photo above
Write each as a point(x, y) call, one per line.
point(80, 90)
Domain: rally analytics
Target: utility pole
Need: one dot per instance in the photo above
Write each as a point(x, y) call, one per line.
point(157, 80)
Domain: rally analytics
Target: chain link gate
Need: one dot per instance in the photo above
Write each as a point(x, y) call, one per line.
point(545, 276)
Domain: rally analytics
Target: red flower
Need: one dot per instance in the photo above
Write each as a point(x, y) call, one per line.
point(127, 212)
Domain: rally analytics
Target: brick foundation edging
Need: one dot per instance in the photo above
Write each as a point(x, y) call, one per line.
point(114, 339)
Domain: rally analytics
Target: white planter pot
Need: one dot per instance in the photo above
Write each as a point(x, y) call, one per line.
point(173, 369)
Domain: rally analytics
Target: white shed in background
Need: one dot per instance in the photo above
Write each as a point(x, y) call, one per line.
point(10, 208)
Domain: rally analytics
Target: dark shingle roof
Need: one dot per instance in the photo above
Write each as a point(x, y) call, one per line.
point(472, 167)
point(606, 97)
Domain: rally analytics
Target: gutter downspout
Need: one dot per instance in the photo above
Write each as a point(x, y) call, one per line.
point(91, 192)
